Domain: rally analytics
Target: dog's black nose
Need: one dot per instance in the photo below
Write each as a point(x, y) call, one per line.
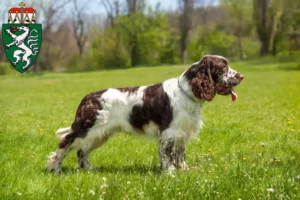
point(239, 76)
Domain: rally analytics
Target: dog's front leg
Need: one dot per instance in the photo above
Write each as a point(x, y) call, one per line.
point(166, 154)
point(172, 150)
point(180, 152)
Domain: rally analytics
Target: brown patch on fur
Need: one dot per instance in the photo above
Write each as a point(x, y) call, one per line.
point(203, 75)
point(130, 90)
point(69, 139)
point(218, 65)
point(156, 107)
point(85, 118)
point(86, 114)
point(199, 76)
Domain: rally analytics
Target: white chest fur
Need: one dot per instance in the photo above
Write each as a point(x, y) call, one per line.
point(186, 111)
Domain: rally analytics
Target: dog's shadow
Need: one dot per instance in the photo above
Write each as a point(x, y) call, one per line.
point(127, 169)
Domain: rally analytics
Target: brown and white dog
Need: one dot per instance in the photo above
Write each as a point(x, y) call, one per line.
point(170, 111)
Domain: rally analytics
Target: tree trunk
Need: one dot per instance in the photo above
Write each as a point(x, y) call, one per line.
point(240, 45)
point(264, 47)
point(132, 5)
point(262, 28)
point(34, 67)
point(132, 8)
point(183, 47)
point(134, 52)
point(274, 46)
point(80, 46)
point(185, 24)
point(276, 23)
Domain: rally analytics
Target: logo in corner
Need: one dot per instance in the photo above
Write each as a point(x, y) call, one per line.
point(22, 37)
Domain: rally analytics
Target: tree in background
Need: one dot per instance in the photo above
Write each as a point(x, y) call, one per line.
point(79, 25)
point(263, 25)
point(134, 9)
point(52, 16)
point(185, 25)
point(131, 33)
point(271, 26)
point(155, 39)
point(294, 20)
point(286, 26)
point(239, 21)
point(112, 9)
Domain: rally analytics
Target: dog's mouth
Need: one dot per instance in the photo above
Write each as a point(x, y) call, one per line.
point(226, 90)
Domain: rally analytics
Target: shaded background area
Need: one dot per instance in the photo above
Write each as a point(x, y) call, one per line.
point(83, 35)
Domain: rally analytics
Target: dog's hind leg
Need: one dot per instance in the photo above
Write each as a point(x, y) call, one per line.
point(80, 132)
point(87, 147)
point(67, 143)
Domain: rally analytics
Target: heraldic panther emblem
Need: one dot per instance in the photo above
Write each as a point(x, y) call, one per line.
point(21, 37)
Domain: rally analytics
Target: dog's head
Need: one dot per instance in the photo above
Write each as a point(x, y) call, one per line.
point(212, 75)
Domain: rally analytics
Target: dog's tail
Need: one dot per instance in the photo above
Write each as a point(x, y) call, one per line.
point(60, 133)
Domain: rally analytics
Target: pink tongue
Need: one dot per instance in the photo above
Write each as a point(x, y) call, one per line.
point(233, 95)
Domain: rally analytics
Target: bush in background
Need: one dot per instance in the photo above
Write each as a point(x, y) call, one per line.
point(6, 69)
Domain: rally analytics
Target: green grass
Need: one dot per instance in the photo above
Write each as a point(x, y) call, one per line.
point(248, 149)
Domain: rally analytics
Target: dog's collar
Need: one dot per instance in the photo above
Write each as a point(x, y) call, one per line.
point(184, 92)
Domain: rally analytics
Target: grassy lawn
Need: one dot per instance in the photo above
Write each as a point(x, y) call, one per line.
point(249, 149)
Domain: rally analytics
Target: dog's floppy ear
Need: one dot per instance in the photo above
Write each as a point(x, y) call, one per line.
point(201, 82)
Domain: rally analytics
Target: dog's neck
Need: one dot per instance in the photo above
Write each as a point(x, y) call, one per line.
point(185, 88)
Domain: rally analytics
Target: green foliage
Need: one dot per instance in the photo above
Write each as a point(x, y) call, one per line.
point(209, 40)
point(240, 21)
point(150, 33)
point(250, 48)
point(248, 149)
point(50, 56)
point(284, 60)
point(76, 63)
point(156, 41)
point(149, 37)
point(107, 51)
point(6, 68)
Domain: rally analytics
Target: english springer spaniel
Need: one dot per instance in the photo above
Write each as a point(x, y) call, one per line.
point(169, 111)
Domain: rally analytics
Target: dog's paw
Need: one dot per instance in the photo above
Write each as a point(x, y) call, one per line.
point(55, 171)
point(184, 166)
point(170, 170)
point(84, 164)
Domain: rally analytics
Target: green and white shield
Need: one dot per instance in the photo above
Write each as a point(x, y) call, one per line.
point(22, 43)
